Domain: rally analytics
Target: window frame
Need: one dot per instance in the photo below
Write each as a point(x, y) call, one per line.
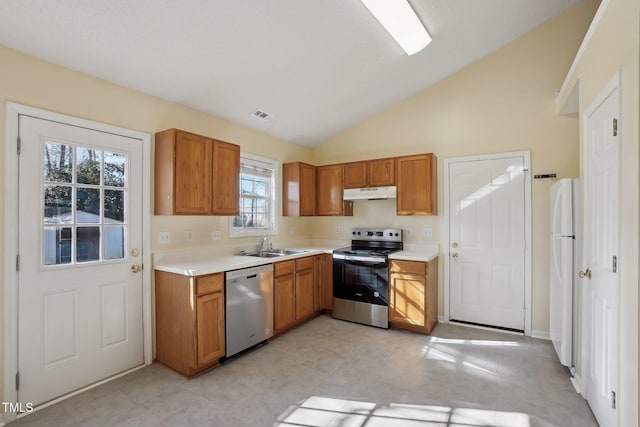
point(274, 165)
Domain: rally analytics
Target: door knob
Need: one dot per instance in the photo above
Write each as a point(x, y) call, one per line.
point(586, 273)
point(136, 268)
point(454, 254)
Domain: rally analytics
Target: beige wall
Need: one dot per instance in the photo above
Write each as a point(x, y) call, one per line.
point(29, 81)
point(615, 46)
point(501, 103)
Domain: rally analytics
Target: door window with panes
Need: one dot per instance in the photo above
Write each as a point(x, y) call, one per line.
point(84, 204)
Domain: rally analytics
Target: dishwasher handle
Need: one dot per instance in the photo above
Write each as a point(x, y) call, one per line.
point(248, 273)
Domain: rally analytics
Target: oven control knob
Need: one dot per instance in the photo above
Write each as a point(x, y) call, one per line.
point(353, 232)
point(396, 234)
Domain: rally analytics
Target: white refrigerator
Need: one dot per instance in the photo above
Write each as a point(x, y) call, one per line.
point(565, 244)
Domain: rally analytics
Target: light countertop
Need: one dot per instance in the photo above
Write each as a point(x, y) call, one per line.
point(200, 262)
point(417, 253)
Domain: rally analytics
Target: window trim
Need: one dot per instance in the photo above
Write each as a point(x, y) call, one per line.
point(275, 197)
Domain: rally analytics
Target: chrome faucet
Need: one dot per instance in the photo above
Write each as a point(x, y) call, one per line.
point(263, 240)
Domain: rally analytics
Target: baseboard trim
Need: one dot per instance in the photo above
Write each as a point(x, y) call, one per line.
point(542, 335)
point(576, 380)
point(441, 319)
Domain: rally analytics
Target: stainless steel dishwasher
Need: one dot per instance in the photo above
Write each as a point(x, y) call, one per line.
point(249, 307)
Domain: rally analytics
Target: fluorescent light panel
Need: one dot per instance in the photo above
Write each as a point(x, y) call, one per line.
point(399, 19)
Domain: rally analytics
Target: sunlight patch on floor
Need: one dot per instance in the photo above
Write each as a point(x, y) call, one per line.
point(319, 411)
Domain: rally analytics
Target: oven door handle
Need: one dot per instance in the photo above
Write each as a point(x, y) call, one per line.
point(364, 259)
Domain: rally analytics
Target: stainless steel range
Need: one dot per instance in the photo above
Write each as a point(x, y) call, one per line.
point(360, 276)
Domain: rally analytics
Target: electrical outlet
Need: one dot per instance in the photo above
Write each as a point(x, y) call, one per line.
point(189, 235)
point(338, 229)
point(427, 232)
point(215, 235)
point(164, 237)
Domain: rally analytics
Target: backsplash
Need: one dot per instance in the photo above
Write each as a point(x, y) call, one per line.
point(379, 214)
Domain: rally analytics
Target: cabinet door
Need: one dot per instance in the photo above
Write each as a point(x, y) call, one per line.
point(327, 281)
point(329, 190)
point(416, 181)
point(304, 293)
point(382, 172)
point(355, 175)
point(298, 189)
point(226, 179)
point(192, 174)
point(318, 289)
point(210, 327)
point(307, 190)
point(407, 299)
point(284, 302)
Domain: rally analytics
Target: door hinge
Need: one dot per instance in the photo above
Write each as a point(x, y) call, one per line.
point(613, 399)
point(17, 381)
point(18, 262)
point(614, 263)
point(615, 127)
point(19, 146)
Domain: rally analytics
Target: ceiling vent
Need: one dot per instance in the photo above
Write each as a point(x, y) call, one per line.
point(259, 114)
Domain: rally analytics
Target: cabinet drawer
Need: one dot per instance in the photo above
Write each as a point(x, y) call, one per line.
point(211, 283)
point(304, 263)
point(283, 268)
point(409, 267)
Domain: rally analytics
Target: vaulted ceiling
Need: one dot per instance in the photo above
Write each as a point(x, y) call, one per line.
point(317, 67)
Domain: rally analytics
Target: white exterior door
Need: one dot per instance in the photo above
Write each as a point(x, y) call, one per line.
point(487, 241)
point(601, 236)
point(80, 232)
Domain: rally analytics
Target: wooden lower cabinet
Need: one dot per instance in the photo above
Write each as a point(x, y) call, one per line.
point(296, 293)
point(210, 342)
point(413, 295)
point(189, 339)
point(284, 307)
point(304, 288)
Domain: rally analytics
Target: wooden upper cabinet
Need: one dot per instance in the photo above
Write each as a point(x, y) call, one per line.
point(382, 172)
point(195, 175)
point(355, 175)
point(371, 173)
point(416, 181)
point(329, 191)
point(226, 179)
point(298, 189)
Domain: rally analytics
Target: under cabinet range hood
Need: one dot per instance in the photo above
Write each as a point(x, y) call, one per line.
point(373, 193)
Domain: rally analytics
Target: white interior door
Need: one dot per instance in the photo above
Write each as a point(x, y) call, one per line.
point(80, 232)
point(487, 241)
point(601, 236)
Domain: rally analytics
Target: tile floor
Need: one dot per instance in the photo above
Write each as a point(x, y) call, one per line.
point(334, 373)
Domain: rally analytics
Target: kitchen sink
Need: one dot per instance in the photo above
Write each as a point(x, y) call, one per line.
point(274, 253)
point(265, 255)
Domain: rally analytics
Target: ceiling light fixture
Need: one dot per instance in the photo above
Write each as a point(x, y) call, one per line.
point(399, 19)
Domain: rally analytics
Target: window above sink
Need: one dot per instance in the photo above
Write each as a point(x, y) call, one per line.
point(258, 198)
